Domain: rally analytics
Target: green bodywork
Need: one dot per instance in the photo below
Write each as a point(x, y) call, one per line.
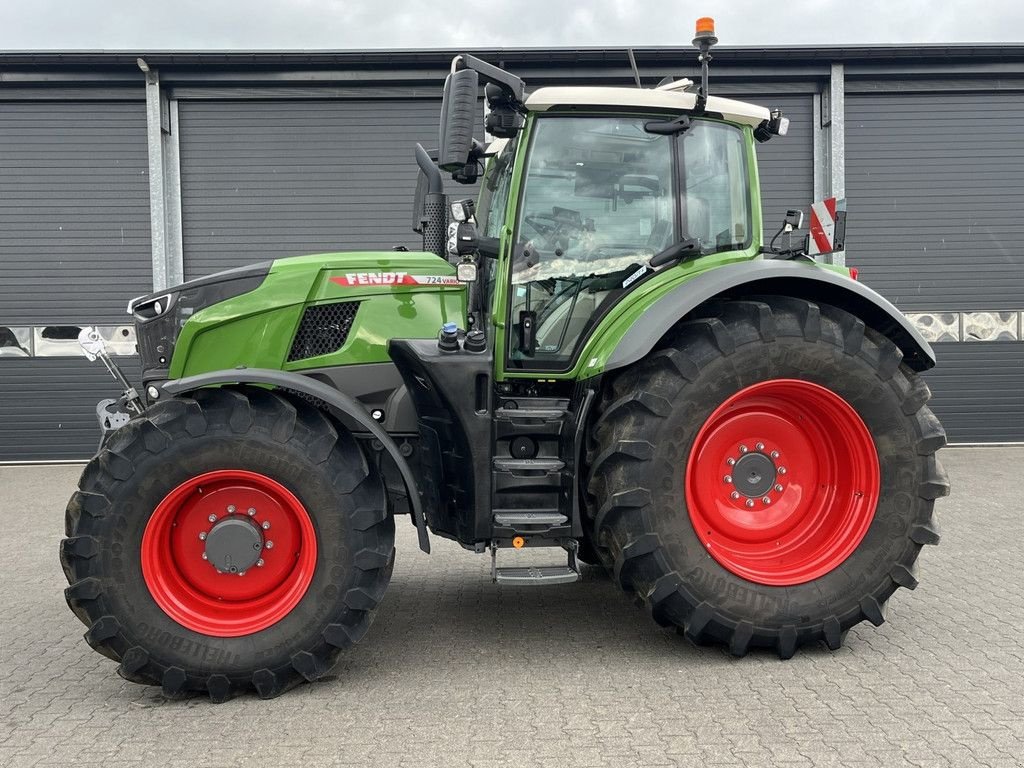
point(256, 329)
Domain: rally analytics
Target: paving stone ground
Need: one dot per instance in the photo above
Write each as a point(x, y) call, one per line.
point(457, 671)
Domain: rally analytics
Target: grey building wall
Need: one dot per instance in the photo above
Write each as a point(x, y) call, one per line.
point(74, 244)
point(282, 154)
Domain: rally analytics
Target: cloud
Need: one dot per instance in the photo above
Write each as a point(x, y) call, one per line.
point(341, 24)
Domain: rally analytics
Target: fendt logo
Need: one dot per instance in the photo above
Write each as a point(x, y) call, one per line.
point(393, 278)
point(372, 278)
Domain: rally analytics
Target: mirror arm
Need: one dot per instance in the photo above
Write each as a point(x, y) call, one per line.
point(488, 246)
point(509, 83)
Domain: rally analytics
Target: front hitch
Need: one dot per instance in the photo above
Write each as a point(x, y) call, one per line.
point(111, 413)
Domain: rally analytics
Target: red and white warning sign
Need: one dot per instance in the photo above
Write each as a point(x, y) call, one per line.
point(393, 278)
point(828, 226)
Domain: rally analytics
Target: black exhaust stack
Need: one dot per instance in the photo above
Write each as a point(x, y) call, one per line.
point(430, 209)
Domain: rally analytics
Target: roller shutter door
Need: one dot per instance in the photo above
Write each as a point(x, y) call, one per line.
point(935, 193)
point(74, 246)
point(267, 179)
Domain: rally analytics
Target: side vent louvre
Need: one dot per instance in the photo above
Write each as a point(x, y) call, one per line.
point(324, 329)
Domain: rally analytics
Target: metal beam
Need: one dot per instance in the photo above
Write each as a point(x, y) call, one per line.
point(164, 182)
point(829, 144)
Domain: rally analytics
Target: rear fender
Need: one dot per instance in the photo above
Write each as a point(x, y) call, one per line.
point(785, 278)
point(339, 401)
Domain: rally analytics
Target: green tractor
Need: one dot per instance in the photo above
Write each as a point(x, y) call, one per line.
point(599, 356)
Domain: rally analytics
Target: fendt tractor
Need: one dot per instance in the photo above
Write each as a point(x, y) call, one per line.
point(598, 356)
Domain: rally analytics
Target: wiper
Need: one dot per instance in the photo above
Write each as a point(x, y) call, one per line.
point(683, 249)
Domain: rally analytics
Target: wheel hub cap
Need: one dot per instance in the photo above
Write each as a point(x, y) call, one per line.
point(754, 475)
point(233, 545)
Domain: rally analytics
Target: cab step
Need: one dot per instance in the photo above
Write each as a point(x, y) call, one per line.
point(536, 575)
point(530, 414)
point(519, 520)
point(528, 465)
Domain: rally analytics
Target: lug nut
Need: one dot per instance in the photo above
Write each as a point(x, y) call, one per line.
point(231, 509)
point(204, 556)
point(730, 461)
point(212, 518)
point(775, 454)
point(750, 502)
point(782, 470)
point(202, 535)
point(259, 563)
point(735, 494)
point(766, 500)
point(728, 478)
point(743, 449)
point(241, 573)
point(252, 512)
point(266, 525)
point(778, 488)
point(760, 446)
point(269, 545)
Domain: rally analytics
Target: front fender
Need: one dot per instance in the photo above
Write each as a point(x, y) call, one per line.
point(786, 278)
point(335, 399)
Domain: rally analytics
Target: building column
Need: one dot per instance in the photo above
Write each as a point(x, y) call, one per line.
point(830, 144)
point(164, 182)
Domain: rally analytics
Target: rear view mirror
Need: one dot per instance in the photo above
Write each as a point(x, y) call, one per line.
point(459, 113)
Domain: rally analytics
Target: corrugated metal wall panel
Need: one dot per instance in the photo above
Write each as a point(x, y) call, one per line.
point(48, 406)
point(978, 391)
point(934, 185)
point(786, 163)
point(74, 246)
point(266, 179)
point(74, 211)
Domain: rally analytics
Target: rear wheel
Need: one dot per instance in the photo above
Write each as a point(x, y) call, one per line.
point(227, 541)
point(767, 477)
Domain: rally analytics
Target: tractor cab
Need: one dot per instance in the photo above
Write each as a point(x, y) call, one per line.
point(589, 194)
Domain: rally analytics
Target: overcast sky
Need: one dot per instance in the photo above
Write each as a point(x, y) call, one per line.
point(338, 24)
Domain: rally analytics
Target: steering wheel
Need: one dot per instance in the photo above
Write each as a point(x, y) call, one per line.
point(552, 228)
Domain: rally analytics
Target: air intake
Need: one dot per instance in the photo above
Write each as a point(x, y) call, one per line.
point(324, 329)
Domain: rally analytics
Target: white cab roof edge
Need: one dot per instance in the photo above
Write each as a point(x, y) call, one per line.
point(544, 99)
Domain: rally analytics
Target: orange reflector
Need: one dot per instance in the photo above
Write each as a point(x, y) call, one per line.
point(518, 542)
point(705, 26)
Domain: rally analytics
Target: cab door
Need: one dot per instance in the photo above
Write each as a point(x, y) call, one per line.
point(597, 202)
point(600, 196)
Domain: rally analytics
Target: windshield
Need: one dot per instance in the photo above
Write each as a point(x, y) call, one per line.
point(598, 197)
point(601, 196)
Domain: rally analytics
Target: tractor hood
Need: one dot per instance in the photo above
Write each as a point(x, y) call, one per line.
point(264, 316)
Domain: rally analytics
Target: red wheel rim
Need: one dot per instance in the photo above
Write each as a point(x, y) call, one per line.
point(782, 482)
point(190, 588)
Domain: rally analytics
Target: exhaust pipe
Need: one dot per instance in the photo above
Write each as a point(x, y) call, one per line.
point(431, 205)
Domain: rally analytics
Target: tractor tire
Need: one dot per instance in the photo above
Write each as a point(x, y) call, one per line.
point(170, 516)
point(766, 477)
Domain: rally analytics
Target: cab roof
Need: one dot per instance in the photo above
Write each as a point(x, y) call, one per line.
point(674, 96)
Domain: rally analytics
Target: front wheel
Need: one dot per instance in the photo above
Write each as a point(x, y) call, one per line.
point(227, 541)
point(767, 477)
